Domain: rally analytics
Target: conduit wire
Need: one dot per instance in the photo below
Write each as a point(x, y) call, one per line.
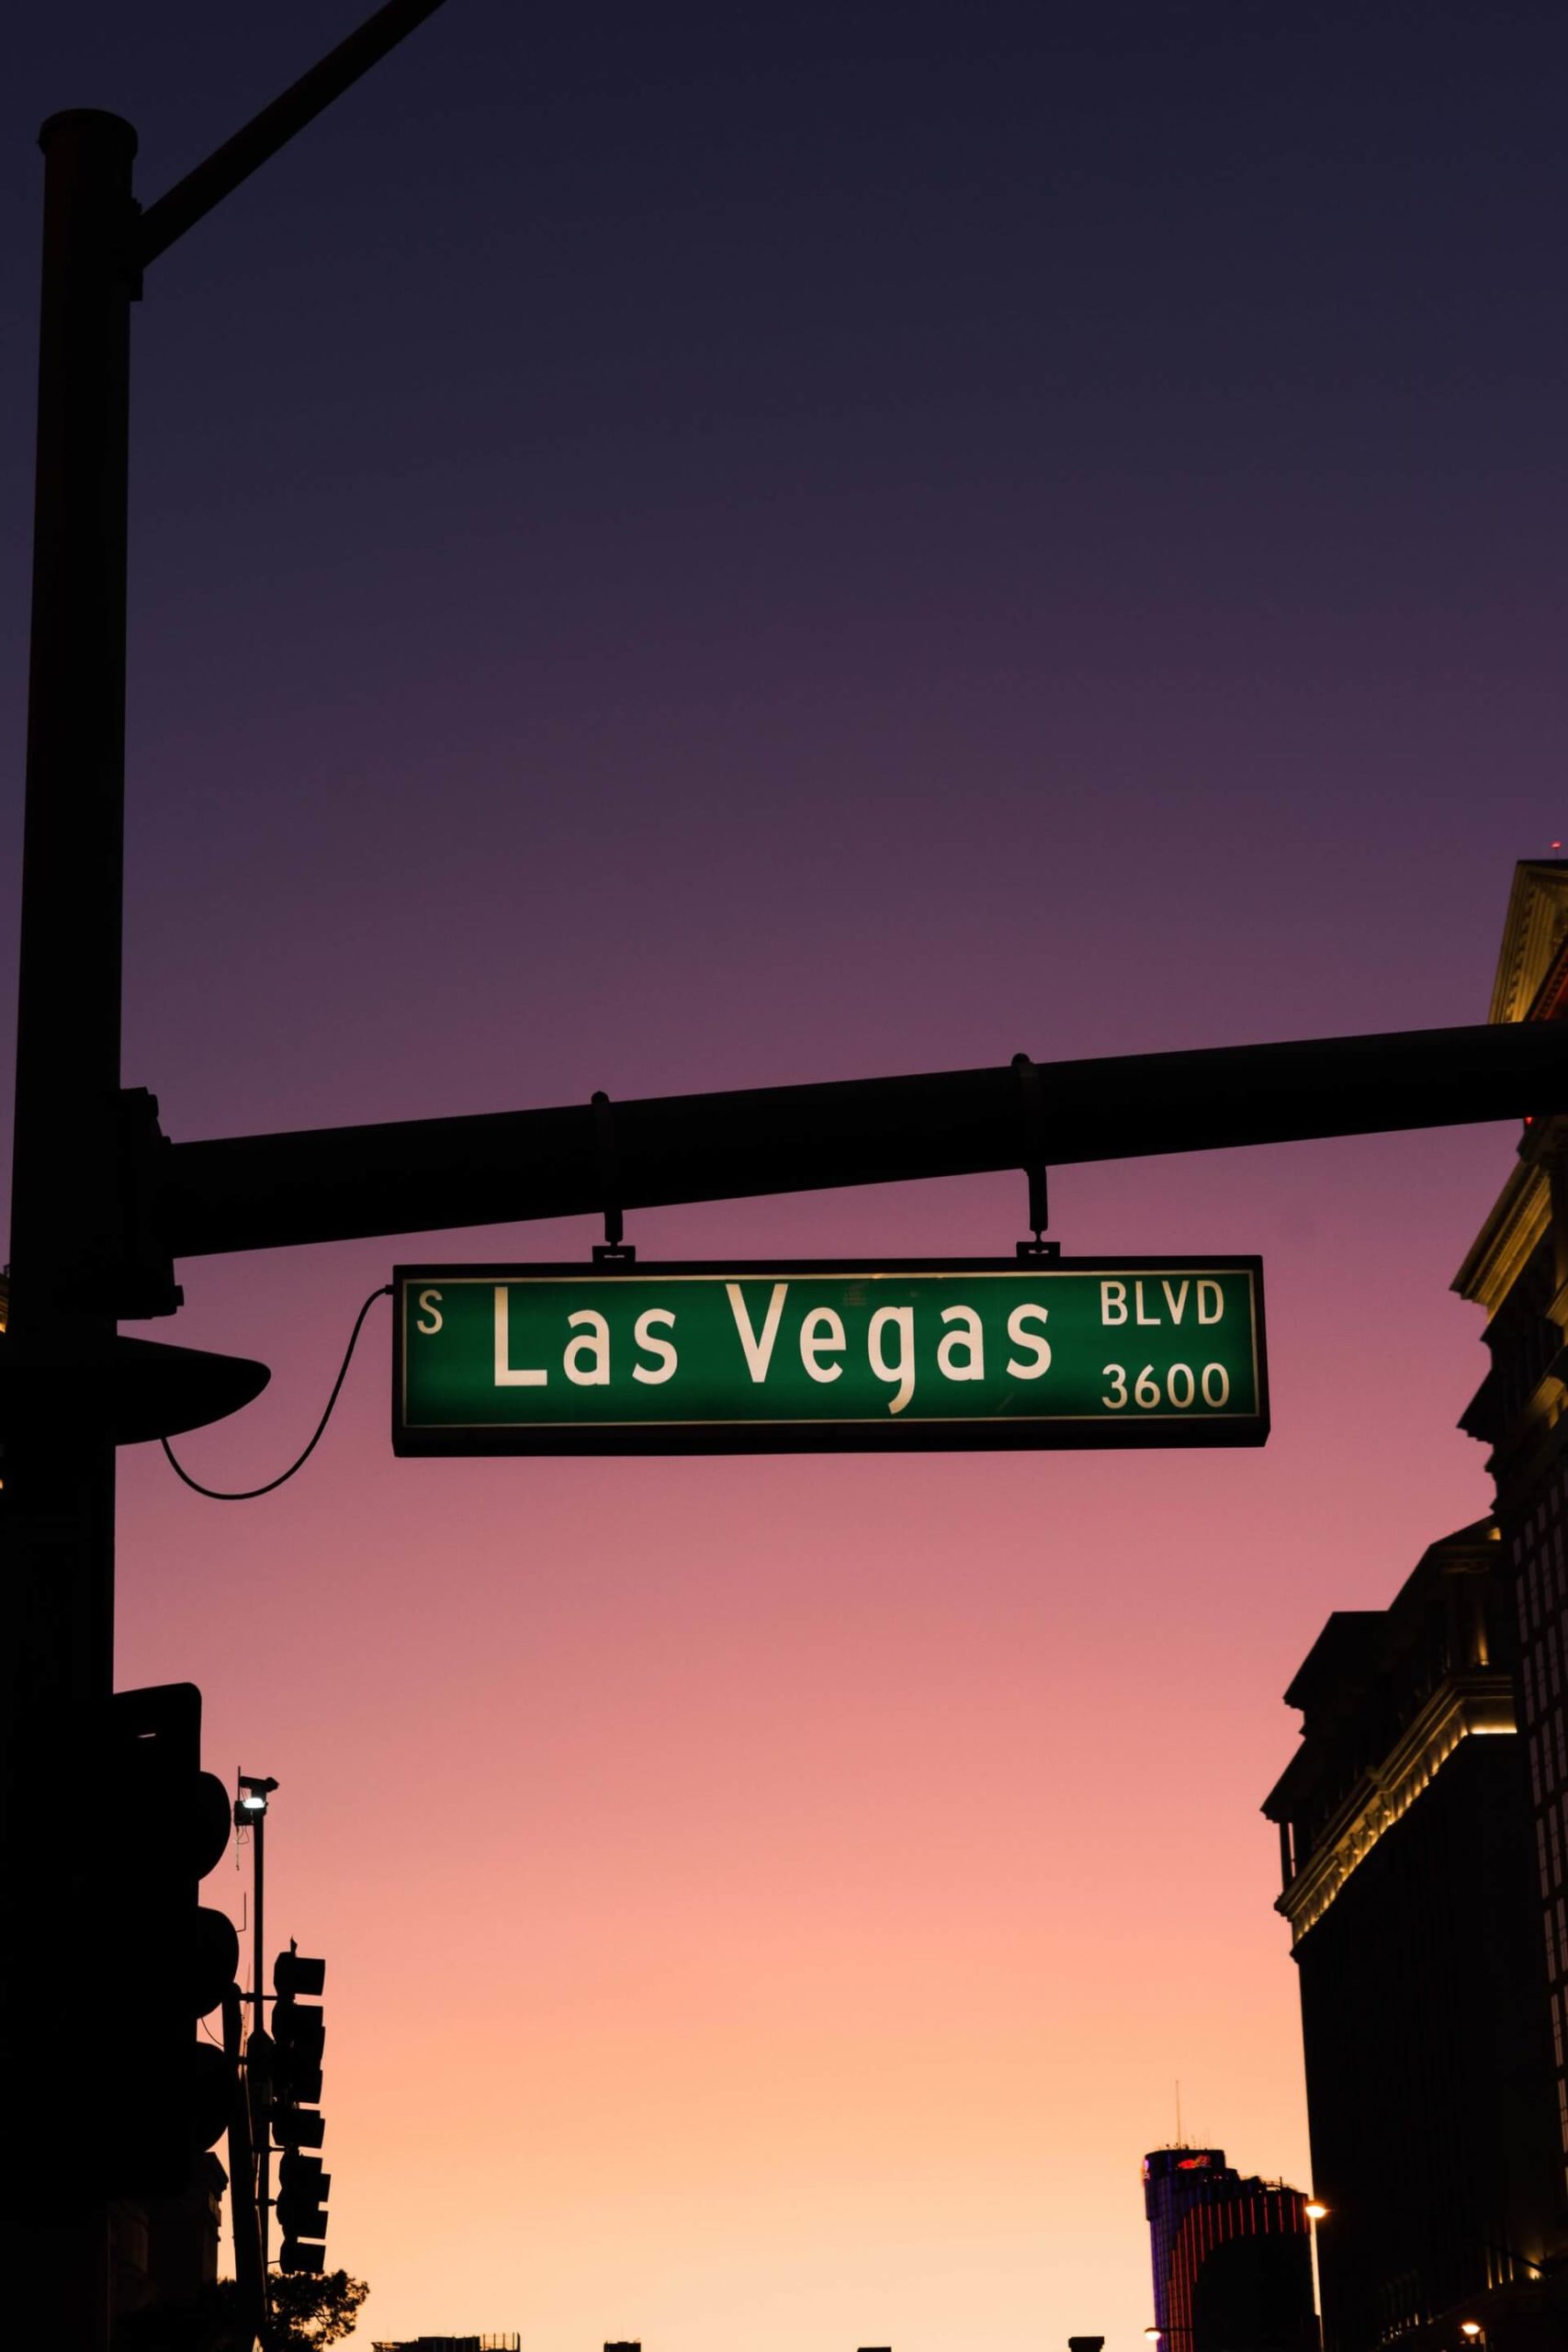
point(249, 1494)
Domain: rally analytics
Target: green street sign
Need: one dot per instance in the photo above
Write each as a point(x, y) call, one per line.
point(778, 1357)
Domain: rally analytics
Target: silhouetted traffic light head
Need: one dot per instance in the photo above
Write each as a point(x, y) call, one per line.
point(302, 2190)
point(297, 2126)
point(299, 2030)
point(295, 1978)
point(294, 2060)
point(292, 2256)
point(169, 1960)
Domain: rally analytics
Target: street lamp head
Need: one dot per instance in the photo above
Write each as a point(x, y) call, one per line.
point(252, 1800)
point(1314, 2212)
point(1471, 2328)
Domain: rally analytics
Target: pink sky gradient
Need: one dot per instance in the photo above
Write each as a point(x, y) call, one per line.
point(781, 1894)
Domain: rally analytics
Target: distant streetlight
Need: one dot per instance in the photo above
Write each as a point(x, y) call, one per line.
point(1473, 2329)
point(1316, 2211)
point(250, 1812)
point(251, 1803)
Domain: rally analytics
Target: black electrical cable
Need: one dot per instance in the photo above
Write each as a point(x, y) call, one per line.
point(249, 1494)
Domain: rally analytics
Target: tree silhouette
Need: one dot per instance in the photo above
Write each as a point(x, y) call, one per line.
point(308, 2312)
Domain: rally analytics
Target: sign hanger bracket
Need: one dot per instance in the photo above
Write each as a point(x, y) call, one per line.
point(612, 1250)
point(1032, 1102)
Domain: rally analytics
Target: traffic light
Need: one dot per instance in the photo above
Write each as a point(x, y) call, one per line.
point(298, 2038)
point(169, 1961)
point(302, 2190)
point(299, 2034)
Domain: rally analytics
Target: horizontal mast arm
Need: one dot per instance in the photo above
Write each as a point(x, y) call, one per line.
point(428, 1175)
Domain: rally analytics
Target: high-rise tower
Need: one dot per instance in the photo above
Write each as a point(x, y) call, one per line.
point(1232, 2267)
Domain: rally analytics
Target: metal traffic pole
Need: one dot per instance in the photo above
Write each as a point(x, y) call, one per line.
point(249, 1813)
point(67, 1244)
point(57, 1655)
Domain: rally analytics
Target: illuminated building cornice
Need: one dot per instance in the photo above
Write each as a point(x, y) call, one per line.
point(1504, 1274)
point(1463, 1705)
point(1534, 934)
point(1531, 984)
point(1508, 1239)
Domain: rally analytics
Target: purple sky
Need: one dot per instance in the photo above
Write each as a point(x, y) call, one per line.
point(685, 547)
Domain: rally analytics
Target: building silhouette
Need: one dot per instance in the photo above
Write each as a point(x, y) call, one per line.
point(1232, 2264)
point(1518, 1271)
point(1404, 1850)
point(454, 2344)
point(1423, 1822)
point(163, 2250)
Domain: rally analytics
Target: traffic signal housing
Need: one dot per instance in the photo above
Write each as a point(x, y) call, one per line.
point(167, 2094)
point(296, 2044)
point(298, 2029)
point(302, 2190)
